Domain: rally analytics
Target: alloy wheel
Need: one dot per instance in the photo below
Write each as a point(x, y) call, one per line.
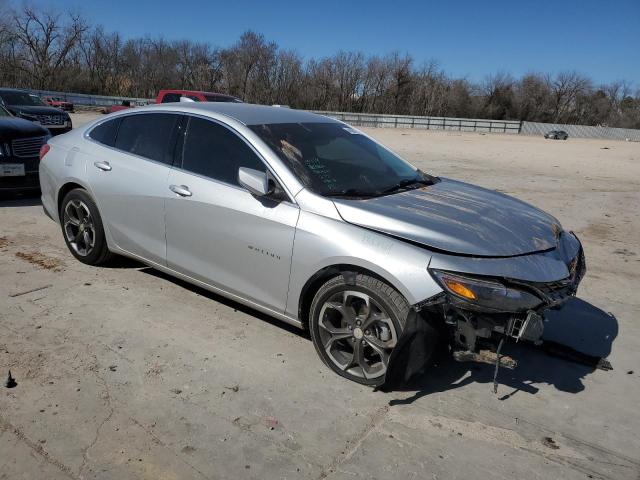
point(78, 227)
point(357, 334)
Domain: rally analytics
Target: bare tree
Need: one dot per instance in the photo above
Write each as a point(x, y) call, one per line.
point(244, 60)
point(565, 89)
point(45, 50)
point(46, 42)
point(429, 91)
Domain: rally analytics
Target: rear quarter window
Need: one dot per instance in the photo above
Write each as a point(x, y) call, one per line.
point(106, 132)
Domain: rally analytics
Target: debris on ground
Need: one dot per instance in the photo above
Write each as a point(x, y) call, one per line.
point(113, 367)
point(177, 391)
point(234, 388)
point(550, 443)
point(11, 382)
point(271, 422)
point(37, 289)
point(40, 260)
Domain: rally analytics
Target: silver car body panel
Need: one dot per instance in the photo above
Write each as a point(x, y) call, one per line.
point(223, 235)
point(131, 199)
point(548, 266)
point(263, 253)
point(457, 217)
point(323, 242)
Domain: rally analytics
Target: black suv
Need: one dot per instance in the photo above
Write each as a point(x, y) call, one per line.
point(28, 106)
point(20, 143)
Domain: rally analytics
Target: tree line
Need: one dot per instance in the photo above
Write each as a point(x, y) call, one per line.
point(63, 52)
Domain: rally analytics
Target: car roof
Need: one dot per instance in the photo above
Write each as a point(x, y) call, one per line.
point(251, 114)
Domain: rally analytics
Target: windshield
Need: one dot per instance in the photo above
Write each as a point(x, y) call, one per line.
point(336, 160)
point(21, 98)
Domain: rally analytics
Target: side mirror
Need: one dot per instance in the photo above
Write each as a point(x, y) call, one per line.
point(255, 181)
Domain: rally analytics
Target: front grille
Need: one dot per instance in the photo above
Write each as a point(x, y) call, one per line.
point(50, 119)
point(555, 292)
point(27, 147)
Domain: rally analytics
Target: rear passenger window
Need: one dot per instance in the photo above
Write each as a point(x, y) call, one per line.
point(150, 135)
point(216, 152)
point(105, 133)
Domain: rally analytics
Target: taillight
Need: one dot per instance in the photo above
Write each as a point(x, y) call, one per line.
point(44, 149)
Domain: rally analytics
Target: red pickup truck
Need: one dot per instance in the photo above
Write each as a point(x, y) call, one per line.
point(58, 103)
point(167, 96)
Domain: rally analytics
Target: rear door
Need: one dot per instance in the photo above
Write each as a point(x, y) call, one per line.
point(217, 232)
point(129, 179)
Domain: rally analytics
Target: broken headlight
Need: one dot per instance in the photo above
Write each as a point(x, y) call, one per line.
point(486, 295)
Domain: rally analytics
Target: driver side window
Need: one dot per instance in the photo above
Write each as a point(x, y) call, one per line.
point(216, 152)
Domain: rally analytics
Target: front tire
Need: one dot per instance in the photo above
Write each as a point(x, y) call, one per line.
point(82, 228)
point(356, 325)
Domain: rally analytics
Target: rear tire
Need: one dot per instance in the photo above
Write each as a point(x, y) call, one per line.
point(355, 326)
point(82, 228)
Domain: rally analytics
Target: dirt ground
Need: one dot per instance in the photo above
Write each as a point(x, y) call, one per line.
point(125, 373)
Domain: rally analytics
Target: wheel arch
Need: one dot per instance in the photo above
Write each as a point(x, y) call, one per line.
point(63, 190)
point(313, 284)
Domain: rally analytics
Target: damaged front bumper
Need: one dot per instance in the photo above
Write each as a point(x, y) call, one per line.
point(479, 311)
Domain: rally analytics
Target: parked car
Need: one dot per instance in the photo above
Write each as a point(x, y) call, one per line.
point(58, 103)
point(557, 135)
point(170, 96)
point(215, 193)
point(20, 143)
point(124, 105)
point(25, 105)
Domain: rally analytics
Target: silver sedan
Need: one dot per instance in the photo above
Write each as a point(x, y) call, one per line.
point(313, 222)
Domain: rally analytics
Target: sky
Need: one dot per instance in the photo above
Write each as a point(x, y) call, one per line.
point(469, 39)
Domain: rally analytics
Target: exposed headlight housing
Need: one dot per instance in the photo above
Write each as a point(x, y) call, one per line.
point(485, 295)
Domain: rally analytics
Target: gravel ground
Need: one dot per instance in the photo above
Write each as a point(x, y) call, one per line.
point(124, 373)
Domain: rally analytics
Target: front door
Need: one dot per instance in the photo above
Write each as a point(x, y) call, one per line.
point(217, 232)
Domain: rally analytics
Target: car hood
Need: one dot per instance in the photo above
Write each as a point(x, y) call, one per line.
point(457, 217)
point(11, 128)
point(35, 110)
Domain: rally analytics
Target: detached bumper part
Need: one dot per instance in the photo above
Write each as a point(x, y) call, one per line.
point(530, 328)
point(485, 356)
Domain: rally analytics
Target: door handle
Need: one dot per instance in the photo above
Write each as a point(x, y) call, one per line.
point(104, 166)
point(181, 190)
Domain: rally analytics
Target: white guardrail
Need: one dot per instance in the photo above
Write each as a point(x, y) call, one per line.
point(427, 123)
point(400, 121)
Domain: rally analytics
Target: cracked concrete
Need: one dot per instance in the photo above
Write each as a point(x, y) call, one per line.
point(124, 373)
